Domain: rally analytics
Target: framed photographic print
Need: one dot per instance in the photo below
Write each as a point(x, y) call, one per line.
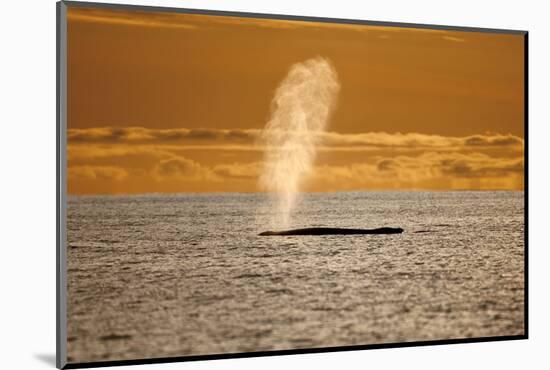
point(235, 184)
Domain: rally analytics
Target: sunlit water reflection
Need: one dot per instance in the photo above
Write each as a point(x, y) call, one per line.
point(176, 275)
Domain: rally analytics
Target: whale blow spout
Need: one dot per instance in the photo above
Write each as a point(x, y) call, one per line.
point(333, 231)
point(300, 114)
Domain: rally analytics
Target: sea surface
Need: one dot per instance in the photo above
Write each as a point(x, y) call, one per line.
point(187, 274)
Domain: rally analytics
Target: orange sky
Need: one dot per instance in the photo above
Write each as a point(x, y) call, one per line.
point(165, 102)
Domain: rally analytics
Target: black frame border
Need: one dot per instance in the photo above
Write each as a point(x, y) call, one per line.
point(61, 146)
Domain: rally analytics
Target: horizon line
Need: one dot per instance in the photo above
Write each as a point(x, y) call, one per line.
point(303, 192)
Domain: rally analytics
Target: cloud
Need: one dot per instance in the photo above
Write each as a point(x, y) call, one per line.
point(192, 170)
point(188, 21)
point(240, 171)
point(248, 139)
point(430, 170)
point(481, 167)
point(103, 151)
point(176, 160)
point(454, 39)
point(386, 165)
point(182, 168)
point(469, 165)
point(417, 141)
point(351, 25)
point(497, 140)
point(147, 18)
point(110, 173)
point(129, 18)
point(141, 135)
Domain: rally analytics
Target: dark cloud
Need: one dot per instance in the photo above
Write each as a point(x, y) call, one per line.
point(188, 169)
point(479, 140)
point(179, 167)
point(430, 170)
point(238, 171)
point(228, 173)
point(482, 169)
point(141, 135)
point(249, 138)
point(415, 140)
point(386, 165)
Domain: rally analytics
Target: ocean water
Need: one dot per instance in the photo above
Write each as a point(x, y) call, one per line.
point(187, 274)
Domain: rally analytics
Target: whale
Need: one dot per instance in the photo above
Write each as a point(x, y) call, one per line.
point(333, 231)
